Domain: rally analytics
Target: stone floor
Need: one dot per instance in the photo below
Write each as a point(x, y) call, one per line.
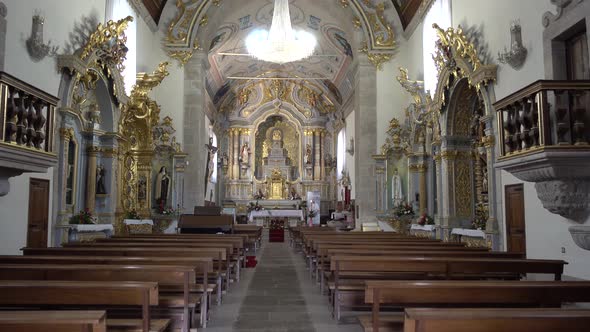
point(276, 296)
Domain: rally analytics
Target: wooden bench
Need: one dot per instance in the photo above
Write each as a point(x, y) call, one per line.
point(89, 293)
point(53, 321)
point(182, 277)
point(349, 272)
point(495, 320)
point(218, 256)
point(466, 294)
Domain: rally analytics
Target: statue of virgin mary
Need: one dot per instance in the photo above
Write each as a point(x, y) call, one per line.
point(397, 193)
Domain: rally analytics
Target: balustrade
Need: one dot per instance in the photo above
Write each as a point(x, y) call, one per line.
point(544, 114)
point(26, 114)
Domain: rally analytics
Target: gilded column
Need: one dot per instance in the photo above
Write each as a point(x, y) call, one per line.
point(316, 159)
point(489, 144)
point(91, 178)
point(322, 155)
point(423, 198)
point(66, 135)
point(236, 163)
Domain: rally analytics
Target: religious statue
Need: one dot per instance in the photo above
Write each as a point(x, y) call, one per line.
point(211, 151)
point(396, 189)
point(162, 187)
point(307, 157)
point(293, 195)
point(245, 154)
point(484, 184)
point(276, 135)
point(100, 175)
point(345, 181)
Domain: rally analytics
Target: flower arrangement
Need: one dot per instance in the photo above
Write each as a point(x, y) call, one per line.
point(404, 209)
point(277, 224)
point(481, 217)
point(312, 213)
point(425, 220)
point(132, 214)
point(254, 207)
point(85, 217)
point(167, 211)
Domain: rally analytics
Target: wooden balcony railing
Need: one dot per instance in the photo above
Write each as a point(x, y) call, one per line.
point(544, 114)
point(26, 115)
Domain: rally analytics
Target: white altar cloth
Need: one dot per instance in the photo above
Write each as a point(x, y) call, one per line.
point(138, 222)
point(92, 228)
point(275, 214)
point(427, 228)
point(468, 232)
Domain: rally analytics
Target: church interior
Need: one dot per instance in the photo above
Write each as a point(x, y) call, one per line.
point(294, 165)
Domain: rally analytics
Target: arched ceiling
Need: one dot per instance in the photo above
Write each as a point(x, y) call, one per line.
point(220, 28)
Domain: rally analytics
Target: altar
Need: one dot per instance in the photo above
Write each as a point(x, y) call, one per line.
point(262, 217)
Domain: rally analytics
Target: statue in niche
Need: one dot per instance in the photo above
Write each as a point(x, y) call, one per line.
point(245, 154)
point(211, 151)
point(276, 135)
point(100, 175)
point(484, 182)
point(307, 157)
point(396, 189)
point(293, 195)
point(162, 187)
point(141, 189)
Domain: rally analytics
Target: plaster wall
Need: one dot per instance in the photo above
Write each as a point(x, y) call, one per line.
point(61, 16)
point(547, 233)
point(14, 213)
point(350, 165)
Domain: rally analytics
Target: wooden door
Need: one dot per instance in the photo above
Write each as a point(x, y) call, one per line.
point(515, 223)
point(38, 213)
point(577, 57)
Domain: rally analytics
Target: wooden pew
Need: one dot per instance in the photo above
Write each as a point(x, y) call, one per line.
point(86, 293)
point(162, 274)
point(218, 255)
point(495, 320)
point(53, 321)
point(467, 294)
point(324, 264)
point(349, 272)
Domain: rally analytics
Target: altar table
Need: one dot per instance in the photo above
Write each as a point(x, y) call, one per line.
point(264, 214)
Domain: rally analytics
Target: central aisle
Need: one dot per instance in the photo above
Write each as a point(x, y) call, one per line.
point(276, 296)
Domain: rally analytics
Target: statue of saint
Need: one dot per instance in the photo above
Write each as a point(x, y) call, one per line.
point(100, 175)
point(307, 157)
point(245, 154)
point(162, 187)
point(484, 182)
point(396, 189)
point(276, 135)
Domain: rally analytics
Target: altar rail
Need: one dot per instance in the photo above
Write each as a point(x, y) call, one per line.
point(26, 115)
point(545, 114)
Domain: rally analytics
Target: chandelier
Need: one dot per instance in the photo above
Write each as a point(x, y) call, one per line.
point(281, 44)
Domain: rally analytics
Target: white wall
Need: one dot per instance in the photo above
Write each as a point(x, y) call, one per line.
point(60, 19)
point(350, 164)
point(14, 213)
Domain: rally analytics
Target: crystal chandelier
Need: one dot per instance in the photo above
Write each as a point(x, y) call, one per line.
point(281, 44)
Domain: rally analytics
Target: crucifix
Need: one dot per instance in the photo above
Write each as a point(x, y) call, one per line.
point(211, 151)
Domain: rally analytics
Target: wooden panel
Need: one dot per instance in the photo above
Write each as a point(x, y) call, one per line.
point(515, 222)
point(38, 213)
point(155, 8)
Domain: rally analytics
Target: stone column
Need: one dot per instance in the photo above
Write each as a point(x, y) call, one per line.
point(179, 169)
point(365, 140)
point(317, 155)
point(3, 13)
point(381, 183)
point(91, 178)
point(236, 164)
point(66, 135)
point(195, 131)
point(230, 151)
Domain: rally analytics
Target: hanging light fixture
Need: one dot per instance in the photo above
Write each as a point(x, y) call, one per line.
point(281, 44)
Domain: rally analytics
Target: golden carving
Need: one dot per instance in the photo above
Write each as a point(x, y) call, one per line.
point(109, 38)
point(451, 42)
point(343, 3)
point(488, 141)
point(183, 57)
point(379, 23)
point(377, 59)
point(356, 22)
point(463, 184)
point(66, 133)
point(204, 20)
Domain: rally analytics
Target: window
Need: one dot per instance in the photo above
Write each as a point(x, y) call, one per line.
point(340, 153)
point(116, 10)
point(440, 13)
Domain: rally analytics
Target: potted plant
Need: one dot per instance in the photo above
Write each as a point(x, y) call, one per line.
point(84, 217)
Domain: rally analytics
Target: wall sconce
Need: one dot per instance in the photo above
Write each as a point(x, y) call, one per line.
point(350, 148)
point(516, 56)
point(35, 46)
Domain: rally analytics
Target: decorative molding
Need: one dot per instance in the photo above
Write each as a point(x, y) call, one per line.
point(567, 198)
point(561, 7)
point(581, 236)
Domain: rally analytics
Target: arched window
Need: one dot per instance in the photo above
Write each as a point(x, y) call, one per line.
point(116, 10)
point(341, 153)
point(439, 13)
